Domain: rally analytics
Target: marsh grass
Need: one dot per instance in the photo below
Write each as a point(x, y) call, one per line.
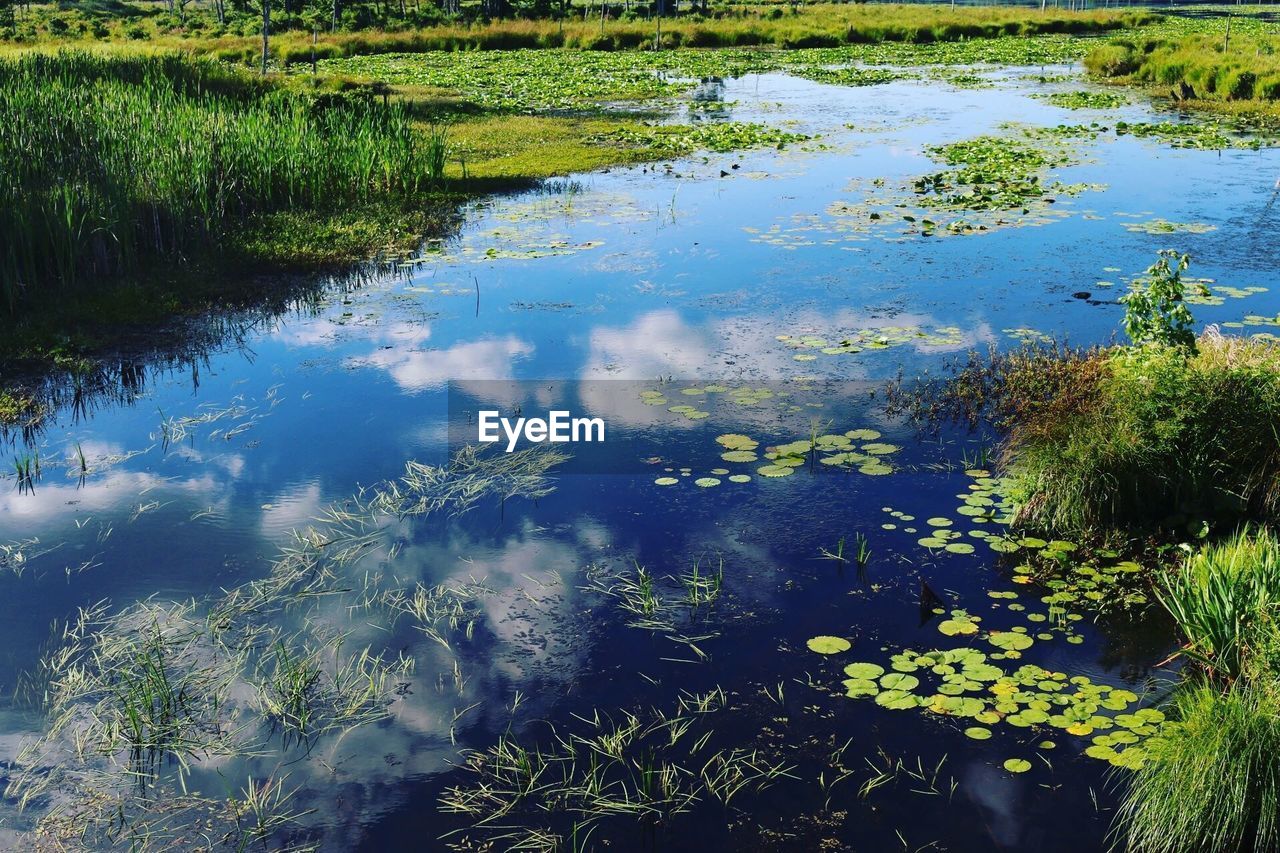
point(1213, 782)
point(647, 769)
point(1226, 600)
point(816, 25)
point(1106, 438)
point(1239, 67)
point(110, 161)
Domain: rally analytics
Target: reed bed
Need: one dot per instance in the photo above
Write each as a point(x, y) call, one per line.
point(111, 161)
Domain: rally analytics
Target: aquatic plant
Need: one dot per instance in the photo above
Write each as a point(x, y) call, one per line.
point(645, 768)
point(1085, 100)
point(1226, 600)
point(1212, 781)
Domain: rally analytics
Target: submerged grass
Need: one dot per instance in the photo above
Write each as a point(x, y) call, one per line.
point(136, 697)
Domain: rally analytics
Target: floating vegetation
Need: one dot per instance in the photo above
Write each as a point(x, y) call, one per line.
point(881, 338)
point(1086, 100)
point(829, 645)
point(674, 139)
point(1201, 134)
point(1164, 226)
point(964, 684)
point(992, 173)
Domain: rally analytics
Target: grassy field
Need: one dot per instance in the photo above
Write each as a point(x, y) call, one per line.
point(818, 25)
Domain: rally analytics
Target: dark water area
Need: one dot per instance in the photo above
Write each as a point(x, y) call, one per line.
point(621, 280)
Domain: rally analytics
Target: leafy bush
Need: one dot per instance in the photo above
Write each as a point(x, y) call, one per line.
point(1156, 312)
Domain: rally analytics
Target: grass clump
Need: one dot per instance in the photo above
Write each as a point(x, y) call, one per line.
point(1226, 598)
point(1227, 72)
point(1213, 781)
point(111, 161)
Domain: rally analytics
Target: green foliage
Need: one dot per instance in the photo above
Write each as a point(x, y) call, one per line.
point(1213, 781)
point(1226, 598)
point(1150, 436)
point(989, 173)
point(108, 162)
point(1244, 67)
point(1156, 312)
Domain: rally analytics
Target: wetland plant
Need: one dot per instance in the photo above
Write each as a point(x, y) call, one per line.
point(1226, 600)
point(1213, 782)
point(1155, 311)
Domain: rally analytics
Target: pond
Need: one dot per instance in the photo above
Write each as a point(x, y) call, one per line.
point(698, 644)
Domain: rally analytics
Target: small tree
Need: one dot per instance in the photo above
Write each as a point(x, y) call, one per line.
point(1156, 312)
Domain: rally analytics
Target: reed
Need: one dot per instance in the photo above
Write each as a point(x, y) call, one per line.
point(111, 161)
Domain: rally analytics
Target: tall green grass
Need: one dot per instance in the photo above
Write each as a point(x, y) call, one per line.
point(109, 162)
point(1226, 600)
point(1213, 68)
point(1212, 779)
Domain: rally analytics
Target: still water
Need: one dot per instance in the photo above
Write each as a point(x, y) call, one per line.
point(731, 270)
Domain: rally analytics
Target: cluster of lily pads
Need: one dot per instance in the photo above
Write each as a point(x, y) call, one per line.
point(857, 449)
point(872, 339)
point(740, 395)
point(991, 173)
point(964, 684)
point(721, 136)
point(1164, 226)
point(1085, 100)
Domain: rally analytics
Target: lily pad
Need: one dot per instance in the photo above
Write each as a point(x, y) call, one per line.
point(825, 645)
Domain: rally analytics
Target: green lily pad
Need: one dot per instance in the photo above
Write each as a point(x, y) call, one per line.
point(829, 645)
point(864, 670)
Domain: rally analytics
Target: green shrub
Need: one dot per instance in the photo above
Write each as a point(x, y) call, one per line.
point(1155, 311)
point(1211, 781)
